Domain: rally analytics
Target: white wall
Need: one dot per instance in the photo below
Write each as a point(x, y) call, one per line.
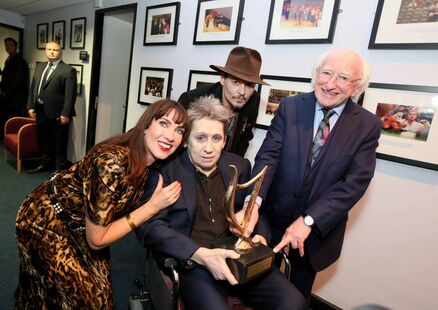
point(12, 19)
point(390, 251)
point(77, 141)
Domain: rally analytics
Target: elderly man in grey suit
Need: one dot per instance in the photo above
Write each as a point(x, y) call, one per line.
point(51, 100)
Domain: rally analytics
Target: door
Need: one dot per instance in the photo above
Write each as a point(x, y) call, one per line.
point(112, 55)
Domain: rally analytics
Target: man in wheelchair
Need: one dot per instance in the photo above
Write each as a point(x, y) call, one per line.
point(189, 229)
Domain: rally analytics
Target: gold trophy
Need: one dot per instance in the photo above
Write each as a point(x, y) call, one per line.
point(255, 259)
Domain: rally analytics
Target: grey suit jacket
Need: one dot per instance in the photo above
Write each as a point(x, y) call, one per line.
point(58, 93)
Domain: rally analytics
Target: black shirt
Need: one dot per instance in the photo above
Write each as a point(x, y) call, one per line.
point(210, 223)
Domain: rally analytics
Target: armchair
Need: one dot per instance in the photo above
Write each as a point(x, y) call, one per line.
point(21, 139)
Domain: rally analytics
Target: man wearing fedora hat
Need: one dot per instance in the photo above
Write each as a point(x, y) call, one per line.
point(236, 91)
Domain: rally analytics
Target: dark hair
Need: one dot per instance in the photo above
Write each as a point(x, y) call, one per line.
point(10, 39)
point(134, 138)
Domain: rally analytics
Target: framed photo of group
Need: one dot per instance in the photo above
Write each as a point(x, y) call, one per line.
point(218, 21)
point(161, 27)
point(155, 84)
point(42, 35)
point(405, 24)
point(199, 78)
point(280, 86)
point(58, 33)
point(301, 21)
point(409, 132)
point(79, 77)
point(77, 33)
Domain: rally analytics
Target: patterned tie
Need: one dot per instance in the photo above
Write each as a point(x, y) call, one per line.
point(322, 133)
point(46, 74)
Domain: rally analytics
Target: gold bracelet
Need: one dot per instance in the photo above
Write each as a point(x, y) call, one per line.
point(131, 222)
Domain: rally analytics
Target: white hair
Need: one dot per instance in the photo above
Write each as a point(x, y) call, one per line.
point(365, 70)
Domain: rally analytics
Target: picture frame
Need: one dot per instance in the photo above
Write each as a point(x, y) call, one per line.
point(302, 21)
point(80, 74)
point(218, 22)
point(280, 87)
point(409, 116)
point(58, 33)
point(199, 78)
point(78, 27)
point(155, 84)
point(405, 24)
point(162, 23)
point(42, 35)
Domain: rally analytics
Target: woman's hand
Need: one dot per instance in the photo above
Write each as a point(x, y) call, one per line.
point(165, 196)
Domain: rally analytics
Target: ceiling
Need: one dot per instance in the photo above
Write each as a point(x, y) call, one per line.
point(28, 7)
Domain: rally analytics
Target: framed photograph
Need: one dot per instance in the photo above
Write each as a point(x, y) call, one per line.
point(409, 132)
point(58, 33)
point(155, 84)
point(218, 21)
point(161, 27)
point(281, 86)
point(42, 35)
point(77, 33)
point(302, 21)
point(79, 77)
point(405, 24)
point(199, 78)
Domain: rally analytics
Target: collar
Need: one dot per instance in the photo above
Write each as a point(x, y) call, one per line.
point(55, 63)
point(338, 109)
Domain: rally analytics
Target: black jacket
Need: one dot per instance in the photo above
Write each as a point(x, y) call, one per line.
point(245, 122)
point(58, 93)
point(15, 80)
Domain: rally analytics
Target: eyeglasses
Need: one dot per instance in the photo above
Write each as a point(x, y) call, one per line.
point(341, 79)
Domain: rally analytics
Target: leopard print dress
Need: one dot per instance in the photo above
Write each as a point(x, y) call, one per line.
point(58, 270)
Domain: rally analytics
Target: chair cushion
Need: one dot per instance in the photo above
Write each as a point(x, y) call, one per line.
point(10, 142)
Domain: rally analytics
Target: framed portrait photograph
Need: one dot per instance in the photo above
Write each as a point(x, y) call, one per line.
point(405, 24)
point(58, 33)
point(161, 27)
point(302, 21)
point(155, 84)
point(42, 35)
point(409, 132)
point(79, 76)
point(198, 78)
point(218, 21)
point(77, 33)
point(281, 86)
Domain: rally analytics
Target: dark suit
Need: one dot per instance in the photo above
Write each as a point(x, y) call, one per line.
point(245, 122)
point(328, 189)
point(14, 85)
point(168, 232)
point(58, 95)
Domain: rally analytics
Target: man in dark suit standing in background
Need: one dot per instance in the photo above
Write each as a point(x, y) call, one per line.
point(14, 84)
point(51, 100)
point(236, 91)
point(321, 154)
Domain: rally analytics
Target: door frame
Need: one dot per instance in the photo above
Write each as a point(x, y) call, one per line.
point(99, 17)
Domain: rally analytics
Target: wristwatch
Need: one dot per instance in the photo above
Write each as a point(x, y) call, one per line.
point(308, 220)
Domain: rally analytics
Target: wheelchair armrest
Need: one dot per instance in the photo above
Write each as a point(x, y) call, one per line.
point(286, 263)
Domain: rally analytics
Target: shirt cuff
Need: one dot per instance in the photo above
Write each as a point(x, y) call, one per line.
point(259, 200)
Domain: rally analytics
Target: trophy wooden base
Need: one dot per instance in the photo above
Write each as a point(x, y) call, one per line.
point(257, 261)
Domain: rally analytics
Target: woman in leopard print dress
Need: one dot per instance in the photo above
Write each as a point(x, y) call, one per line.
point(65, 225)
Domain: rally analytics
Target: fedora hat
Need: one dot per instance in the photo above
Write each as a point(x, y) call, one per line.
point(243, 63)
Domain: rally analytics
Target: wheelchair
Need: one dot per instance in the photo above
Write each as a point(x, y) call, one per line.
point(160, 289)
